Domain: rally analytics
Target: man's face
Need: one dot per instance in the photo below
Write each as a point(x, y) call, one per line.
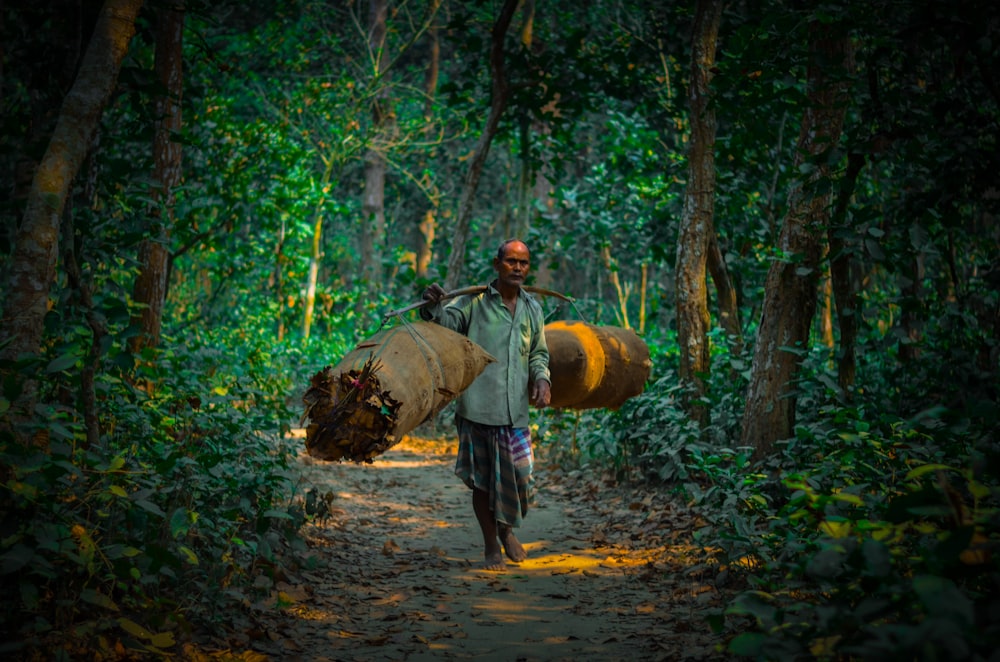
point(512, 269)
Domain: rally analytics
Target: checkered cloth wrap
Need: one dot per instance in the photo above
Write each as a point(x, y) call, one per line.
point(497, 460)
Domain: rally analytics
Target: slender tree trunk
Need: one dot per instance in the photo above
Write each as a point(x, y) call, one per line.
point(642, 298)
point(425, 244)
point(98, 330)
point(826, 311)
point(373, 204)
point(696, 227)
point(729, 311)
point(33, 265)
point(498, 103)
point(150, 289)
point(611, 269)
point(911, 317)
point(843, 282)
point(790, 288)
point(316, 252)
point(278, 279)
point(428, 224)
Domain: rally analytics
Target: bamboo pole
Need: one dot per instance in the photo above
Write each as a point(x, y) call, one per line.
point(474, 289)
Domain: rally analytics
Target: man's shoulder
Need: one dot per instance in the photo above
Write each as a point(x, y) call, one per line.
point(531, 299)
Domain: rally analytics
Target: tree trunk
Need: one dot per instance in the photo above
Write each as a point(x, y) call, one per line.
point(278, 279)
point(428, 224)
point(498, 102)
point(425, 242)
point(33, 264)
point(316, 252)
point(622, 294)
point(912, 304)
point(844, 284)
point(696, 225)
point(729, 310)
point(643, 284)
point(373, 204)
point(826, 311)
point(150, 289)
point(790, 288)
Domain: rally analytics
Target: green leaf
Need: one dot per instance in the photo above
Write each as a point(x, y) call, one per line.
point(61, 363)
point(150, 507)
point(163, 640)
point(190, 556)
point(118, 491)
point(93, 597)
point(179, 522)
point(926, 469)
point(748, 644)
point(134, 628)
point(853, 499)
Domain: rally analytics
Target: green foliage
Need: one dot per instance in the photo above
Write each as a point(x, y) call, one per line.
point(873, 549)
point(163, 527)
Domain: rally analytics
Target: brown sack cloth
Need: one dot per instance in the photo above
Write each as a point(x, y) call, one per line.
point(385, 387)
point(595, 366)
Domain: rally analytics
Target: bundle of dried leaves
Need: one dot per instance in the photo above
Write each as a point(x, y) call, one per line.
point(351, 415)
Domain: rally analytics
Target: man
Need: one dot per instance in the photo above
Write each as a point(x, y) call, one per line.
point(494, 448)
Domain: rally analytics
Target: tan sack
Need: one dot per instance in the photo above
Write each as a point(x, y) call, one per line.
point(595, 366)
point(385, 387)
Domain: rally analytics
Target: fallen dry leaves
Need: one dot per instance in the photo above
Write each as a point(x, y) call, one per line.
point(613, 572)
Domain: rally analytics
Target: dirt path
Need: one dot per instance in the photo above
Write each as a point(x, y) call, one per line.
point(610, 574)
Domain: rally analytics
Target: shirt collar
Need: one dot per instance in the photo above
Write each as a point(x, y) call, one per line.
point(492, 289)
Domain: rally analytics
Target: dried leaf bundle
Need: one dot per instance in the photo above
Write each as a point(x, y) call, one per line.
point(385, 387)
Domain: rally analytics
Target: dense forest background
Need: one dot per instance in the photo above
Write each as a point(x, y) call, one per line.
point(795, 205)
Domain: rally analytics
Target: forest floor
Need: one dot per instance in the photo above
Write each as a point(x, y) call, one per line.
point(612, 574)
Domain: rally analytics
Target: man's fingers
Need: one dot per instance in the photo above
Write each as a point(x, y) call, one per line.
point(433, 293)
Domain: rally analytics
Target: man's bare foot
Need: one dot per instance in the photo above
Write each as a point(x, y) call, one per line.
point(494, 562)
point(511, 545)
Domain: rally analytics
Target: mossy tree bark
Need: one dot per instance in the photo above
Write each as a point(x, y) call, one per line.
point(697, 225)
point(33, 264)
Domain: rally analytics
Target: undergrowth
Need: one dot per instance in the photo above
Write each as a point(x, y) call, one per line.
point(872, 534)
point(177, 518)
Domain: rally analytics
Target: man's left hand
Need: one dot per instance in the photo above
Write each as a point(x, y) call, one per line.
point(541, 393)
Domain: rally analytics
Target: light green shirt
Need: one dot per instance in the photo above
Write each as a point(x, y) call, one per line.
point(499, 396)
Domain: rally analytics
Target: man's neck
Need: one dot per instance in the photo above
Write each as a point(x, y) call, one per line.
point(508, 292)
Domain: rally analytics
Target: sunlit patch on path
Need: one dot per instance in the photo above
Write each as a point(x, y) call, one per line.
point(397, 576)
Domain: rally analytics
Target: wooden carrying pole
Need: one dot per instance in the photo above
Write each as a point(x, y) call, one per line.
point(474, 289)
point(385, 387)
point(595, 366)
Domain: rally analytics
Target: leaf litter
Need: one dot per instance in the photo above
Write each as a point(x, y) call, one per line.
point(613, 571)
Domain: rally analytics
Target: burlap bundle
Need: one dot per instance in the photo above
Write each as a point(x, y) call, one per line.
point(385, 387)
point(595, 366)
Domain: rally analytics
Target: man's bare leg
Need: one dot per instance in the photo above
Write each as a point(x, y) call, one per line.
point(492, 552)
point(511, 545)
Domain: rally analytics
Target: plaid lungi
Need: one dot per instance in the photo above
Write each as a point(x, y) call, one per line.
point(497, 460)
